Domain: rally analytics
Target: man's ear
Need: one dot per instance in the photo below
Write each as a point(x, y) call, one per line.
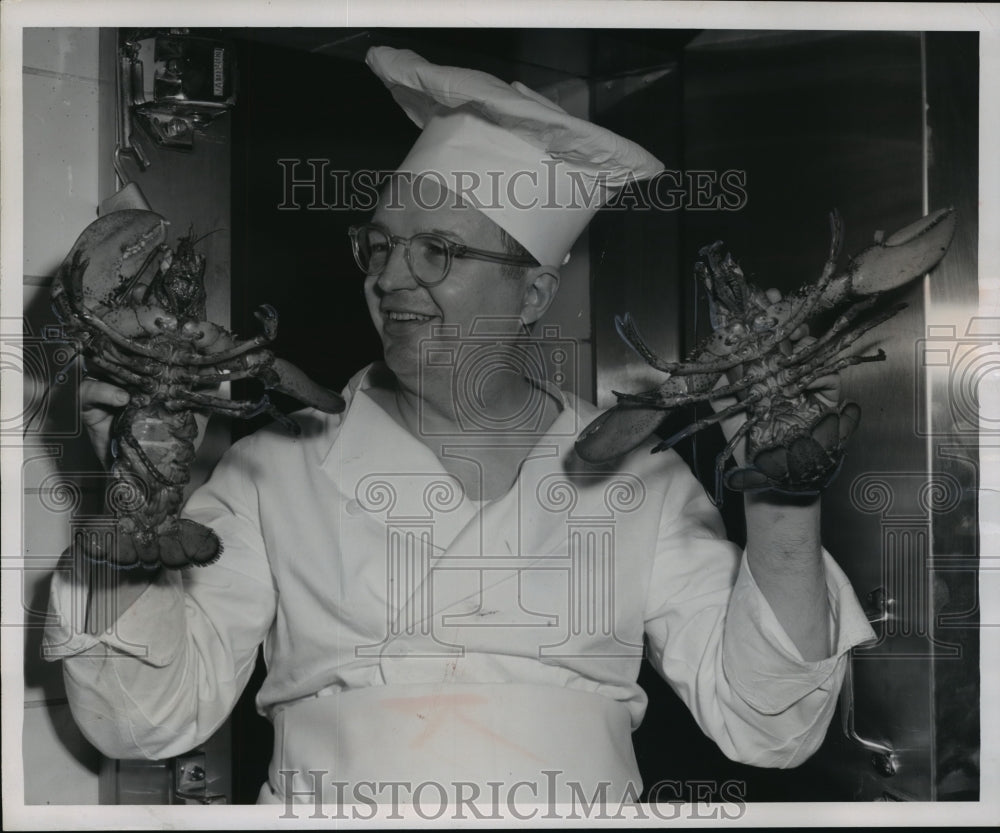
point(541, 283)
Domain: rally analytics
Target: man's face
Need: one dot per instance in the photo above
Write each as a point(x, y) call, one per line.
point(404, 312)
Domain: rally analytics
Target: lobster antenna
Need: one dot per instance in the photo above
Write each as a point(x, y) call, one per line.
point(149, 288)
point(206, 234)
point(126, 288)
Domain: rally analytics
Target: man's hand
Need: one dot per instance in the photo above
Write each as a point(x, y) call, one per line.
point(111, 591)
point(826, 389)
point(100, 404)
point(783, 532)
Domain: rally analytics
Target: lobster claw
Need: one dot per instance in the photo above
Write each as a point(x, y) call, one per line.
point(617, 431)
point(110, 254)
point(909, 253)
point(285, 377)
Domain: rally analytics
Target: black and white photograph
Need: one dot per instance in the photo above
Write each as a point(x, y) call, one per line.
point(465, 414)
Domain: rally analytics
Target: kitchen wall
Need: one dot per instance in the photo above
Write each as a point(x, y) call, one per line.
point(68, 104)
point(69, 140)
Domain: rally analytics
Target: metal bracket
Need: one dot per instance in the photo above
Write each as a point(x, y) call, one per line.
point(883, 756)
point(191, 781)
point(127, 79)
point(878, 606)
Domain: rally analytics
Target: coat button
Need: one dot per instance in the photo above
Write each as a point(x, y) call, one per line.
point(353, 507)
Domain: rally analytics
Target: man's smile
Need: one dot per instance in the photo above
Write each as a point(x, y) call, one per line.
point(403, 315)
point(400, 320)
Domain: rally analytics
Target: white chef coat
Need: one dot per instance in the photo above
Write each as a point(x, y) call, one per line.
point(411, 633)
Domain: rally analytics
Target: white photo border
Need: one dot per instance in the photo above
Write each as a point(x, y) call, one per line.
point(15, 16)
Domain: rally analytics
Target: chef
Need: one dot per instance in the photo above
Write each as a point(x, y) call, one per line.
point(446, 594)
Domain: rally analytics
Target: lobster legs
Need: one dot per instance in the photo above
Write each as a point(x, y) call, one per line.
point(794, 441)
point(149, 335)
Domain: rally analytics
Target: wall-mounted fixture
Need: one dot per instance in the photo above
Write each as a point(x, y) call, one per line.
point(175, 83)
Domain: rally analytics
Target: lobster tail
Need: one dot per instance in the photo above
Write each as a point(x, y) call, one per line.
point(185, 544)
point(191, 544)
point(153, 452)
point(144, 329)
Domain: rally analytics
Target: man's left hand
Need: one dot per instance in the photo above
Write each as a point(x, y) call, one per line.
point(827, 389)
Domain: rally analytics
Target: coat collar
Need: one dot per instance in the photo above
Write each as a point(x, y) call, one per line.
point(353, 455)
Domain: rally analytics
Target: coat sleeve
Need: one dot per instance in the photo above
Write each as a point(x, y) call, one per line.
point(169, 671)
point(715, 639)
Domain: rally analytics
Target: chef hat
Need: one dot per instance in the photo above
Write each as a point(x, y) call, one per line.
point(535, 170)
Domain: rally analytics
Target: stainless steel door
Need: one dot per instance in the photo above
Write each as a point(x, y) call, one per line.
point(881, 126)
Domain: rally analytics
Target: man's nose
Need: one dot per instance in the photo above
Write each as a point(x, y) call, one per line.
point(396, 274)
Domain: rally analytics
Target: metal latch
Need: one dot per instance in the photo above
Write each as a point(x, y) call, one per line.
point(191, 782)
point(878, 608)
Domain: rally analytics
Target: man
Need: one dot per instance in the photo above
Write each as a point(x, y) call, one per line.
point(445, 592)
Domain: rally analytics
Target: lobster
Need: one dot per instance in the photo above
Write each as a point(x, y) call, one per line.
point(143, 328)
point(795, 441)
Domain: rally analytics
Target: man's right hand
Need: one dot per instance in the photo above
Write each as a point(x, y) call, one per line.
point(112, 591)
point(100, 402)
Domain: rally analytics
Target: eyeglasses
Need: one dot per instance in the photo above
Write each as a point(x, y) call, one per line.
point(428, 255)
